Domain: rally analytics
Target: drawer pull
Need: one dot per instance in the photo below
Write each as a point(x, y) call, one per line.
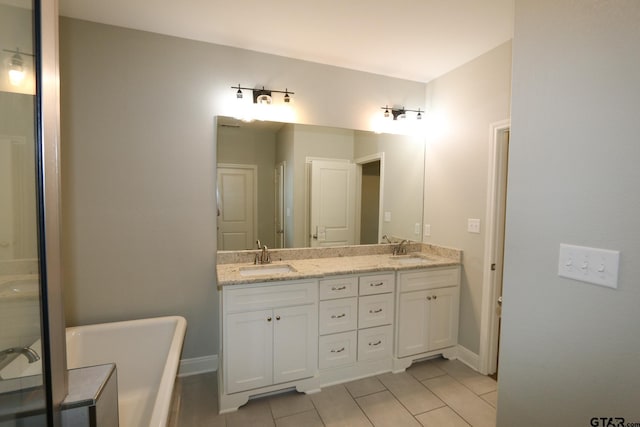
point(338, 316)
point(435, 297)
point(339, 288)
point(375, 343)
point(429, 298)
point(337, 351)
point(376, 284)
point(378, 310)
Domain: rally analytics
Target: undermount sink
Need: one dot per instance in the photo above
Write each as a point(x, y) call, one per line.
point(409, 259)
point(266, 269)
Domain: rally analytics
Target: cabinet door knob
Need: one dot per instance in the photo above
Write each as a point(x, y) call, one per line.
point(269, 319)
point(278, 317)
point(435, 297)
point(429, 298)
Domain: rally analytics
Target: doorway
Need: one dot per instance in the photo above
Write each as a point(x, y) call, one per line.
point(369, 198)
point(369, 203)
point(494, 248)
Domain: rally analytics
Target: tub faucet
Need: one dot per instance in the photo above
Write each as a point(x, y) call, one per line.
point(7, 356)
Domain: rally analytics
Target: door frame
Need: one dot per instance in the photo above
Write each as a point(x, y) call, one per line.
point(489, 335)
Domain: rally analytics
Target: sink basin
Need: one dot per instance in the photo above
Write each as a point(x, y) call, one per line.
point(265, 270)
point(409, 259)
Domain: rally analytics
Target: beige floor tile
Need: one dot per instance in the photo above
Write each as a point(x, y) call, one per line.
point(468, 405)
point(384, 410)
point(491, 397)
point(303, 419)
point(364, 386)
point(256, 413)
point(338, 409)
point(477, 382)
point(441, 417)
point(289, 403)
point(199, 402)
point(410, 392)
point(425, 370)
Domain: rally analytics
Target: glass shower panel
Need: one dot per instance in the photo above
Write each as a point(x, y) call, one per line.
point(22, 394)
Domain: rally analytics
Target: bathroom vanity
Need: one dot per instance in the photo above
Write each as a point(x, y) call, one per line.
point(322, 316)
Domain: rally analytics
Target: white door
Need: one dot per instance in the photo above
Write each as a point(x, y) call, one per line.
point(279, 214)
point(295, 343)
point(237, 207)
point(250, 340)
point(332, 203)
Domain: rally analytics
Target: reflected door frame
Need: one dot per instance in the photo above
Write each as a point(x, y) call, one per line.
point(375, 157)
point(252, 211)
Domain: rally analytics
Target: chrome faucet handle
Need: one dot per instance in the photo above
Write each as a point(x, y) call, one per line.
point(265, 258)
point(258, 243)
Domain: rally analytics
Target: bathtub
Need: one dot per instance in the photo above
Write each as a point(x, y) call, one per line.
point(146, 353)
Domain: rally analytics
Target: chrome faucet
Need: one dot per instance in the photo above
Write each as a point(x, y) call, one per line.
point(263, 257)
point(401, 248)
point(7, 356)
point(387, 239)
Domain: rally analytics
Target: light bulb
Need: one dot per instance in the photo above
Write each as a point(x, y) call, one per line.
point(16, 70)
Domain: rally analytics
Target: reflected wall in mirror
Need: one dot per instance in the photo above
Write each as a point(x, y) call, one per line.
point(291, 185)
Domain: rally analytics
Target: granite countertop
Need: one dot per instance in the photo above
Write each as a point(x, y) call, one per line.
point(332, 261)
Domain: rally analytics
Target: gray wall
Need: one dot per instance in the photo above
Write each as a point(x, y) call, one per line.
point(138, 156)
point(571, 351)
point(463, 104)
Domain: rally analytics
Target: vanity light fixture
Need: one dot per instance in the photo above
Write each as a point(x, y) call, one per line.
point(16, 66)
point(401, 113)
point(262, 96)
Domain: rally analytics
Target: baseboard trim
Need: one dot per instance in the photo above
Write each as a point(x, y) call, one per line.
point(469, 358)
point(198, 365)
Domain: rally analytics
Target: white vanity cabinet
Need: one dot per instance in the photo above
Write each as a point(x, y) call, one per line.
point(427, 318)
point(270, 338)
point(356, 317)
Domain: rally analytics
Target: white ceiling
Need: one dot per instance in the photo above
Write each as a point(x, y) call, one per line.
point(409, 39)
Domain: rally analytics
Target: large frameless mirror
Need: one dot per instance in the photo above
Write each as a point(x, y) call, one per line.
point(292, 185)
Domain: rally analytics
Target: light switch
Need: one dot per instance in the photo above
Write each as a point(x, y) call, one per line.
point(473, 225)
point(591, 265)
point(427, 230)
point(416, 228)
point(387, 216)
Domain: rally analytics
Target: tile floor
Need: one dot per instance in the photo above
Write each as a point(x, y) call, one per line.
point(437, 392)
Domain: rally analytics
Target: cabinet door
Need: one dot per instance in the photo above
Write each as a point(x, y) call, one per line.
point(248, 350)
point(413, 323)
point(443, 317)
point(295, 343)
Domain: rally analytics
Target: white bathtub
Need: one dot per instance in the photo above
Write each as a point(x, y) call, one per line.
point(146, 353)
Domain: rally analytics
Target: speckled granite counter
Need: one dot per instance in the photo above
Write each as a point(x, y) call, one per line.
point(322, 262)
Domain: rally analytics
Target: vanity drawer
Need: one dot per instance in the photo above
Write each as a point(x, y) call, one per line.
point(340, 287)
point(375, 310)
point(337, 350)
point(375, 343)
point(376, 284)
point(338, 315)
point(429, 279)
point(249, 298)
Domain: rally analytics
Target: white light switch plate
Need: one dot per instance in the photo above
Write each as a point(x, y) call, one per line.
point(591, 265)
point(427, 230)
point(387, 216)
